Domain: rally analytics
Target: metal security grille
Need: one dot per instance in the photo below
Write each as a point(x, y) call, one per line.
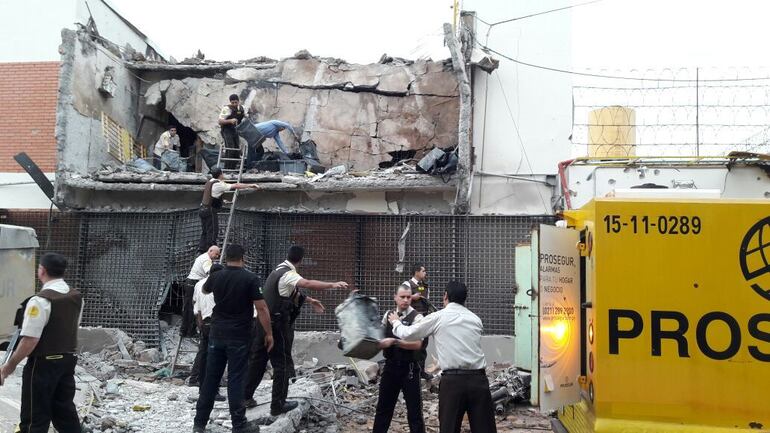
point(126, 263)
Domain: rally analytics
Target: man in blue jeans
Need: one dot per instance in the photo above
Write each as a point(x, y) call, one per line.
point(269, 129)
point(237, 292)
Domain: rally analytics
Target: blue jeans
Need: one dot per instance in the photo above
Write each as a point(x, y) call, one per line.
point(235, 355)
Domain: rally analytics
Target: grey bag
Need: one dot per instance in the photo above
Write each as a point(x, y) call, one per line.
point(360, 326)
point(250, 133)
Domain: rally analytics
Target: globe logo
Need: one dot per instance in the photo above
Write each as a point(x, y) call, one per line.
point(755, 256)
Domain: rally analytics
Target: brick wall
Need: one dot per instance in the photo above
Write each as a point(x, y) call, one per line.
point(28, 93)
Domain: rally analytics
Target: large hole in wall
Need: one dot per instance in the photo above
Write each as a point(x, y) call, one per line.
point(187, 138)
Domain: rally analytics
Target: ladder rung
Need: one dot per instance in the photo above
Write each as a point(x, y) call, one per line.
point(231, 148)
point(229, 159)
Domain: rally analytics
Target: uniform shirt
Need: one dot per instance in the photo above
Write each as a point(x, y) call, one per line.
point(289, 280)
point(420, 287)
point(202, 303)
point(456, 333)
point(402, 314)
point(219, 187)
point(200, 267)
point(226, 112)
point(38, 310)
point(166, 142)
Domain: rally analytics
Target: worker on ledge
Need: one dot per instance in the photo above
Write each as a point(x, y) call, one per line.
point(229, 117)
point(211, 202)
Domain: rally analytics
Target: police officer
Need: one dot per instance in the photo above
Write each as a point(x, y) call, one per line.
point(402, 369)
point(230, 116)
point(210, 204)
point(49, 331)
point(420, 303)
point(283, 296)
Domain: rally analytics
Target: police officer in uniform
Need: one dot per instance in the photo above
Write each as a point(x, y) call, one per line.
point(402, 369)
point(230, 116)
point(282, 294)
point(420, 303)
point(49, 331)
point(211, 203)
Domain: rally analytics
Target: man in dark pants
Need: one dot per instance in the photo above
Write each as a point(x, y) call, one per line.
point(402, 369)
point(203, 308)
point(464, 385)
point(282, 293)
point(49, 331)
point(420, 303)
point(236, 294)
point(211, 203)
point(198, 272)
point(230, 116)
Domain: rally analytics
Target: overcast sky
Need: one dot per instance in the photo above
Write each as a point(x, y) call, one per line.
point(610, 34)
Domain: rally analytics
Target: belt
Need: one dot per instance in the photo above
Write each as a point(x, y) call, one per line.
point(457, 371)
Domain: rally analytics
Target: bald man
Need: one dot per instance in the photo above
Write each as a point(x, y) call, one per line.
point(200, 269)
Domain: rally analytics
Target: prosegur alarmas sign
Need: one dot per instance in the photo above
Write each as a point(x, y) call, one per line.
point(681, 312)
point(559, 301)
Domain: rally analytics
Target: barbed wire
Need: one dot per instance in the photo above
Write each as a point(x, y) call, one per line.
point(686, 118)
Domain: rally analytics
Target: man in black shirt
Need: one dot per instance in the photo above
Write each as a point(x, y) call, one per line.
point(237, 292)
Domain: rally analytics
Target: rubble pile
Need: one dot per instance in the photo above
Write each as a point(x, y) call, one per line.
point(350, 393)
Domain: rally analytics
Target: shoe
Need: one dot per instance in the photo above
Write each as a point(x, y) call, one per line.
point(193, 383)
point(288, 406)
point(427, 376)
point(219, 397)
point(198, 429)
point(249, 403)
point(249, 427)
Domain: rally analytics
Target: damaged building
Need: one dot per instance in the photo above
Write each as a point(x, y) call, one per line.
point(361, 117)
point(131, 231)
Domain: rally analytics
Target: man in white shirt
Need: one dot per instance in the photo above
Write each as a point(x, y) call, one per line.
point(211, 203)
point(284, 299)
point(203, 308)
point(49, 335)
point(199, 271)
point(464, 385)
point(167, 141)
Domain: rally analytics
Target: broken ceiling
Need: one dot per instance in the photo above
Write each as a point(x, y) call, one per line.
point(356, 114)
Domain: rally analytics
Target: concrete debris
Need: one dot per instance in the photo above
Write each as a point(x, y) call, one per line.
point(114, 399)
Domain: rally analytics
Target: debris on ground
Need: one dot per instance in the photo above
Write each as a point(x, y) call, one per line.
point(127, 387)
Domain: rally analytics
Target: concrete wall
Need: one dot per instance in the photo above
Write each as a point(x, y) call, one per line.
point(356, 114)
point(81, 145)
point(522, 116)
point(112, 25)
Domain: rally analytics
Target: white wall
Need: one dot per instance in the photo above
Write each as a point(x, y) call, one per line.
point(30, 30)
point(19, 191)
point(522, 116)
point(109, 25)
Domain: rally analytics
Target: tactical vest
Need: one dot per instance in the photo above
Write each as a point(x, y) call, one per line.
point(421, 306)
point(60, 334)
point(276, 303)
point(393, 353)
point(208, 199)
point(234, 114)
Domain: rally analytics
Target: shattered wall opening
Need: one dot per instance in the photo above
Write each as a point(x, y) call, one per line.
point(359, 116)
point(125, 263)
